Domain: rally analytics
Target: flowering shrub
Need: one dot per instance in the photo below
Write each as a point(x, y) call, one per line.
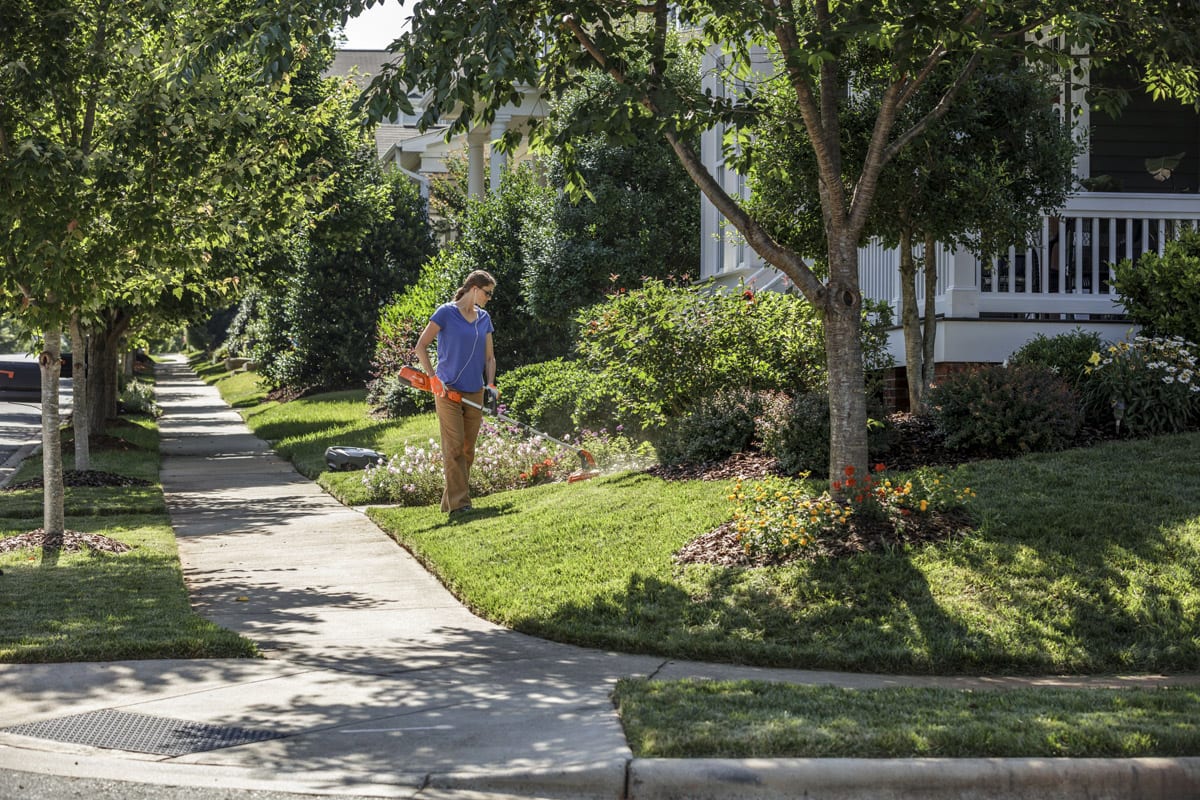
point(503, 460)
point(1146, 387)
point(776, 517)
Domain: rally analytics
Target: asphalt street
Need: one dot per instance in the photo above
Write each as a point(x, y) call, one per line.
point(21, 418)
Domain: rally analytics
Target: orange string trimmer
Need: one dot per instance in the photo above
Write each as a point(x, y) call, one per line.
point(418, 380)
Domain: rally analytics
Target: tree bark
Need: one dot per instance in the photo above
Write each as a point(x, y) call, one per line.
point(910, 318)
point(104, 350)
point(53, 496)
point(844, 357)
point(80, 416)
point(928, 374)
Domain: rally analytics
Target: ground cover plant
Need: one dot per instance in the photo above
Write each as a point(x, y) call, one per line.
point(115, 590)
point(750, 719)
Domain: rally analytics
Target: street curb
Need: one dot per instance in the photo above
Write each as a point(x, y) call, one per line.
point(915, 779)
point(9, 467)
point(598, 780)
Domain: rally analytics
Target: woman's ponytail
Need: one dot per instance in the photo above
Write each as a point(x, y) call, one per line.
point(480, 278)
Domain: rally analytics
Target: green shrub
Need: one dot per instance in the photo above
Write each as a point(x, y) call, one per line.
point(797, 434)
point(328, 311)
point(641, 215)
point(1146, 387)
point(400, 324)
point(658, 350)
point(1065, 355)
point(138, 398)
point(545, 395)
point(796, 431)
point(716, 428)
point(1162, 293)
point(1006, 410)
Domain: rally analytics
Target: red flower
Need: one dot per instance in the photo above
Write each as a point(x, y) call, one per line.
point(837, 486)
point(880, 467)
point(850, 471)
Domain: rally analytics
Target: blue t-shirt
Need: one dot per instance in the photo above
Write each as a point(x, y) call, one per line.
point(461, 347)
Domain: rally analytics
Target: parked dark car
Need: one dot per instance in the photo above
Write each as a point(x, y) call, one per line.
point(20, 379)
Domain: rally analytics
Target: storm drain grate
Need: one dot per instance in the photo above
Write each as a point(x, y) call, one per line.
point(140, 733)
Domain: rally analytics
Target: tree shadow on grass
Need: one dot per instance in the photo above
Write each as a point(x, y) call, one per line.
point(1055, 581)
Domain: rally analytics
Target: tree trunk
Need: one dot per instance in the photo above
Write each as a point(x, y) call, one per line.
point(104, 352)
point(80, 418)
point(928, 374)
point(844, 356)
point(53, 495)
point(911, 323)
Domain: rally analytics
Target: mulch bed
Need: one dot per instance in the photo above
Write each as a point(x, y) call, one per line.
point(83, 477)
point(720, 546)
point(101, 441)
point(73, 542)
point(739, 465)
point(915, 442)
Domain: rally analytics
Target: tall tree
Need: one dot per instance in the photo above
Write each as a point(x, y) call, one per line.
point(981, 178)
point(120, 178)
point(472, 58)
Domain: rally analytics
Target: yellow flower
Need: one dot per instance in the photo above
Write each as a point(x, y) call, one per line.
point(1095, 359)
point(924, 505)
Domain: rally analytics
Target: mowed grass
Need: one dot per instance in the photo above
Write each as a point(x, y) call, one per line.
point(104, 607)
point(752, 719)
point(1084, 562)
point(97, 606)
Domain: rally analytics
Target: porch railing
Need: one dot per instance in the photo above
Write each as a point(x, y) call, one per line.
point(1066, 269)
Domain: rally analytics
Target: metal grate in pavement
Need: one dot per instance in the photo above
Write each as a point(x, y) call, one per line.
point(140, 733)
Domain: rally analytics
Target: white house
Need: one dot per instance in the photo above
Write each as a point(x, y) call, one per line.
point(1147, 162)
point(423, 154)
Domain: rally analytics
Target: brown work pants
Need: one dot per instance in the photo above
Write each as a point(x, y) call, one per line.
point(459, 424)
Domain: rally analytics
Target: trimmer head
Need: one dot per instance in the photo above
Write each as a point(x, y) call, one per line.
point(587, 468)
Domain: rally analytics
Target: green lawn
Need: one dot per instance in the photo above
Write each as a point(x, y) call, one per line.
point(1085, 561)
point(96, 606)
point(744, 719)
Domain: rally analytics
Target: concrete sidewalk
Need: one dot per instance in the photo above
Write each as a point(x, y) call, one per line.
point(378, 683)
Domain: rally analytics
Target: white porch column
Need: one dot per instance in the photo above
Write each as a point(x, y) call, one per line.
point(475, 142)
point(962, 286)
point(499, 159)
